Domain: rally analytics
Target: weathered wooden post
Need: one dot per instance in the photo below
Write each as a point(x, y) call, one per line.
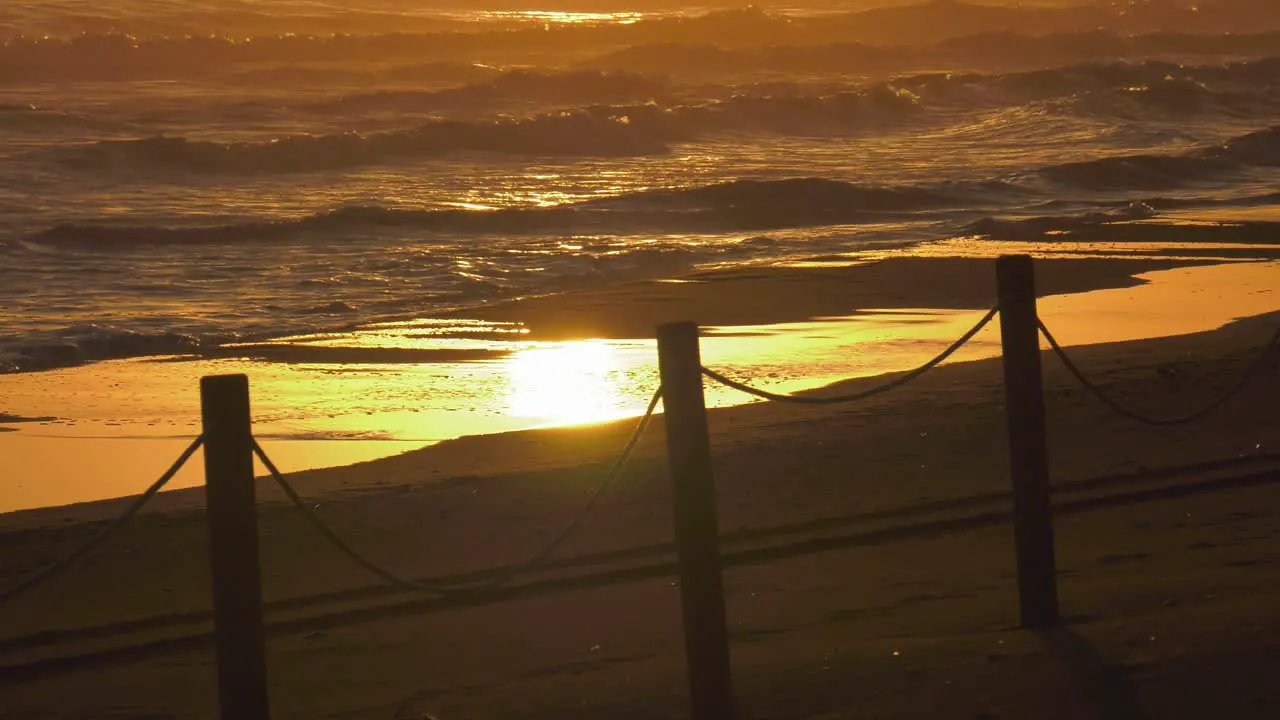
point(706, 631)
point(233, 548)
point(1028, 447)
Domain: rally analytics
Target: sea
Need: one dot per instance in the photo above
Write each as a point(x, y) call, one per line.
point(177, 177)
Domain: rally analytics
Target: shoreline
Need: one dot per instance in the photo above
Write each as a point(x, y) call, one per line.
point(441, 259)
point(781, 294)
point(935, 448)
point(1164, 569)
point(575, 447)
point(1110, 287)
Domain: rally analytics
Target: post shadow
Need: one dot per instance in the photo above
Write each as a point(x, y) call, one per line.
point(1105, 685)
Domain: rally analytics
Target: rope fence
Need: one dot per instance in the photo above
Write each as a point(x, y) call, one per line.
point(230, 447)
point(40, 576)
point(1259, 363)
point(507, 574)
point(861, 394)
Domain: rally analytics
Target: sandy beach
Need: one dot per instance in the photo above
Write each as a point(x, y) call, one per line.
point(440, 238)
point(338, 399)
point(869, 561)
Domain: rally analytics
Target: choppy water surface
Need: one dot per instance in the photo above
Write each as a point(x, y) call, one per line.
point(176, 176)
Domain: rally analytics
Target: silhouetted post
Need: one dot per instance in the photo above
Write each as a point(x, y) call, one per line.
point(1028, 448)
point(233, 547)
point(706, 633)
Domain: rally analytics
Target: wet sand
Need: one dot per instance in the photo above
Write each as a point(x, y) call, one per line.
point(346, 398)
point(778, 295)
point(1170, 598)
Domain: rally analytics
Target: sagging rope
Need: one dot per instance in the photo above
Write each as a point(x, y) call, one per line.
point(1250, 372)
point(49, 571)
point(507, 573)
point(861, 394)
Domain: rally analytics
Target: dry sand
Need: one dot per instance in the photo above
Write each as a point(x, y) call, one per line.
point(871, 570)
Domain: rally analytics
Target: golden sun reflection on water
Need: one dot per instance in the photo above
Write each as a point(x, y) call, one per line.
point(569, 383)
point(563, 17)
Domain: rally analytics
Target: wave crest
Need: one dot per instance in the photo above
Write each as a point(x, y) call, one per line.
point(593, 131)
point(733, 205)
point(687, 53)
point(1146, 171)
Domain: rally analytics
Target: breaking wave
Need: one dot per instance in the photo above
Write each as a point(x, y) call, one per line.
point(728, 206)
point(78, 345)
point(590, 87)
point(681, 54)
point(734, 205)
point(1149, 171)
point(984, 52)
point(594, 131)
point(1116, 88)
point(1112, 227)
point(652, 128)
point(31, 118)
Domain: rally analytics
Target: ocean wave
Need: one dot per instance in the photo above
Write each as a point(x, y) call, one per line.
point(1117, 227)
point(899, 23)
point(294, 76)
point(1127, 90)
point(1117, 91)
point(582, 87)
point(991, 52)
point(160, 17)
point(1172, 98)
point(728, 206)
point(1025, 228)
point(35, 119)
point(1150, 171)
point(1139, 172)
point(685, 52)
point(340, 306)
point(592, 131)
point(1147, 90)
point(1116, 88)
point(78, 345)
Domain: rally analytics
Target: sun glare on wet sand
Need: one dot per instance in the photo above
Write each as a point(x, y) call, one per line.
point(565, 384)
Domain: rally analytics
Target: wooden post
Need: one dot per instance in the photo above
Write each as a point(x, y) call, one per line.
point(706, 633)
point(233, 548)
point(1028, 448)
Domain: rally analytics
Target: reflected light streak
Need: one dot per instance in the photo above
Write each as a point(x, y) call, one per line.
point(561, 17)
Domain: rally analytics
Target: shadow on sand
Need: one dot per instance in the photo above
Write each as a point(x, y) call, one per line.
point(1104, 685)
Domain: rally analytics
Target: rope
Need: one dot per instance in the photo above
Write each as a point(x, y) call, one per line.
point(51, 570)
point(614, 471)
point(1258, 364)
point(862, 394)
